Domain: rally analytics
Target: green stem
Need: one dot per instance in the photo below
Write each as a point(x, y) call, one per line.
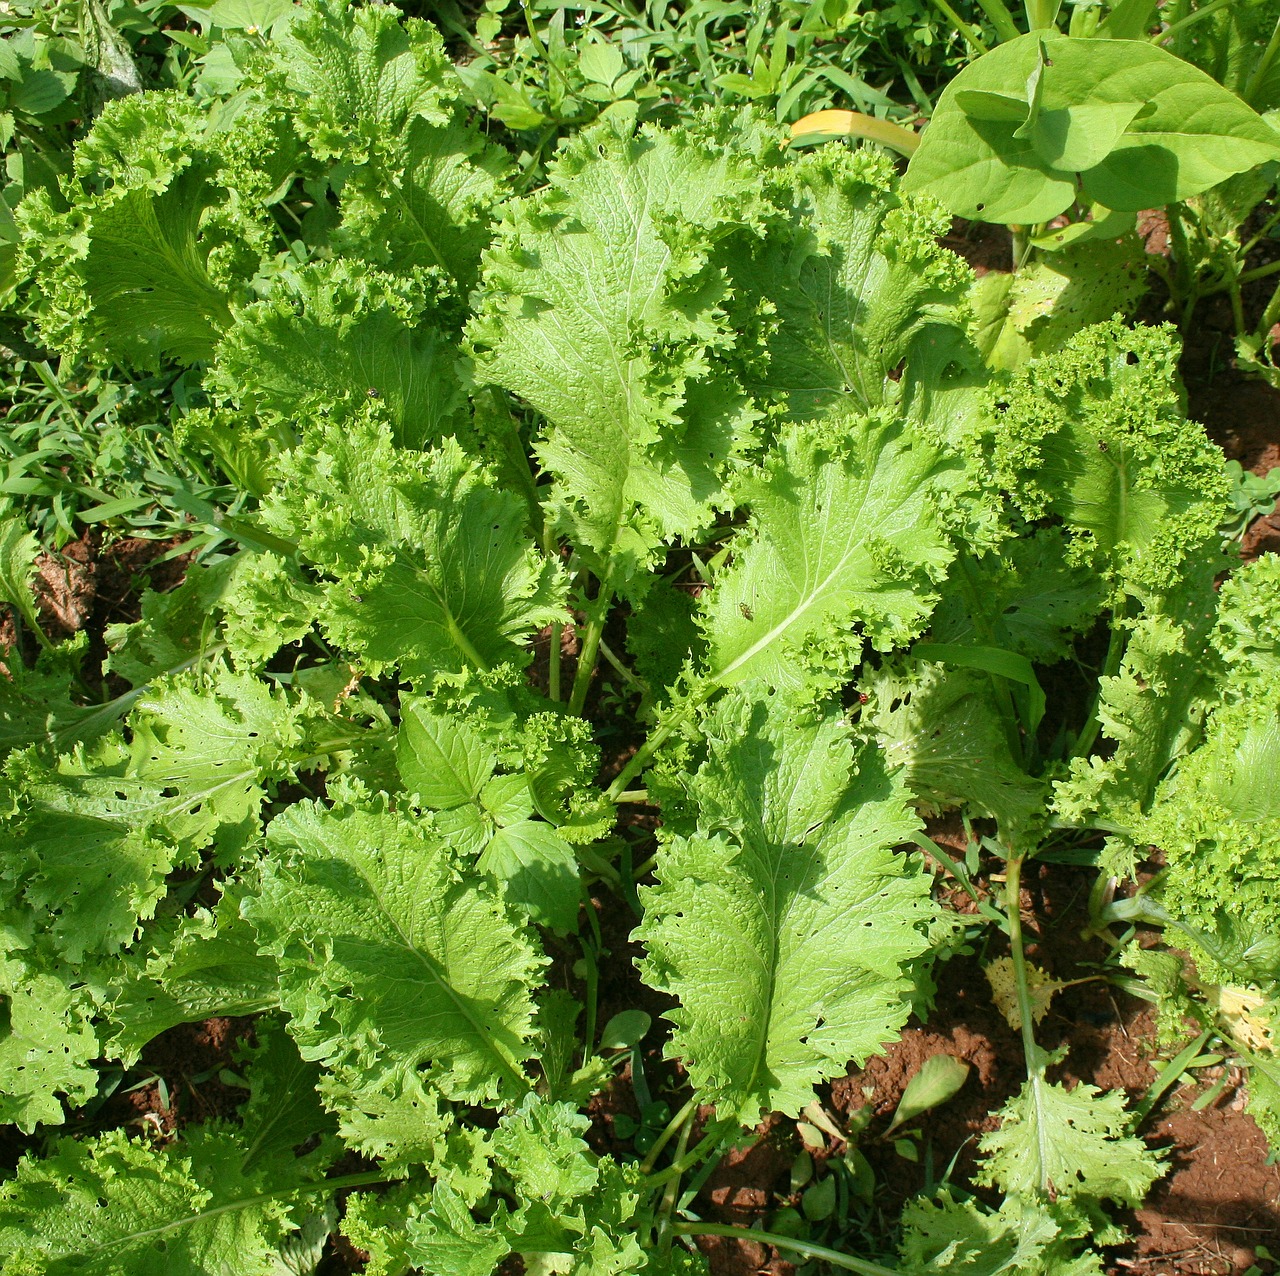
point(963, 28)
point(809, 1250)
point(1263, 231)
point(1259, 272)
point(673, 1127)
point(1013, 907)
point(589, 653)
point(1182, 23)
point(671, 1192)
point(631, 680)
point(685, 1162)
point(1263, 68)
point(462, 642)
point(640, 759)
point(1000, 18)
point(1042, 15)
point(634, 795)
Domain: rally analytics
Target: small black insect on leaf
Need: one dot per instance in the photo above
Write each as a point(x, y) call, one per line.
point(372, 392)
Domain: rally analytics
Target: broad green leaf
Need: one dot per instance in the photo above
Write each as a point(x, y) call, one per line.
point(859, 283)
point(398, 1119)
point(18, 553)
point(91, 857)
point(540, 871)
point(1264, 1095)
point(40, 91)
point(1151, 709)
point(1139, 126)
point(109, 1205)
point(333, 335)
point(390, 962)
point(47, 1049)
point(1040, 308)
point(843, 543)
point(174, 628)
point(98, 832)
point(945, 729)
point(1068, 1143)
point(209, 965)
point(603, 309)
point(427, 203)
point(998, 108)
point(995, 660)
point(1217, 818)
point(441, 758)
point(540, 1145)
point(216, 744)
point(1029, 598)
point(943, 1235)
point(446, 1237)
point(361, 77)
point(784, 922)
point(282, 1112)
point(434, 571)
point(248, 15)
point(144, 267)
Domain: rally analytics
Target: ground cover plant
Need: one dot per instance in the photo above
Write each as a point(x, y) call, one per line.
point(625, 541)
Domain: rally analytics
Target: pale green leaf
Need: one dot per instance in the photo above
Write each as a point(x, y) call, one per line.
point(843, 542)
point(428, 203)
point(540, 1145)
point(945, 729)
point(361, 77)
point(390, 962)
point(602, 310)
point(18, 553)
point(944, 1236)
point(209, 965)
point(333, 335)
point(143, 269)
point(939, 1079)
point(859, 284)
point(441, 757)
point(540, 871)
point(109, 1206)
point(1068, 1142)
point(1096, 436)
point(435, 572)
point(47, 1049)
point(783, 925)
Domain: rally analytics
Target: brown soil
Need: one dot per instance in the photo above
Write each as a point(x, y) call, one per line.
point(88, 585)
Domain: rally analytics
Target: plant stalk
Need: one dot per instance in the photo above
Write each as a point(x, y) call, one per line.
point(674, 1125)
point(1013, 907)
point(1263, 68)
point(809, 1250)
point(962, 27)
point(589, 653)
